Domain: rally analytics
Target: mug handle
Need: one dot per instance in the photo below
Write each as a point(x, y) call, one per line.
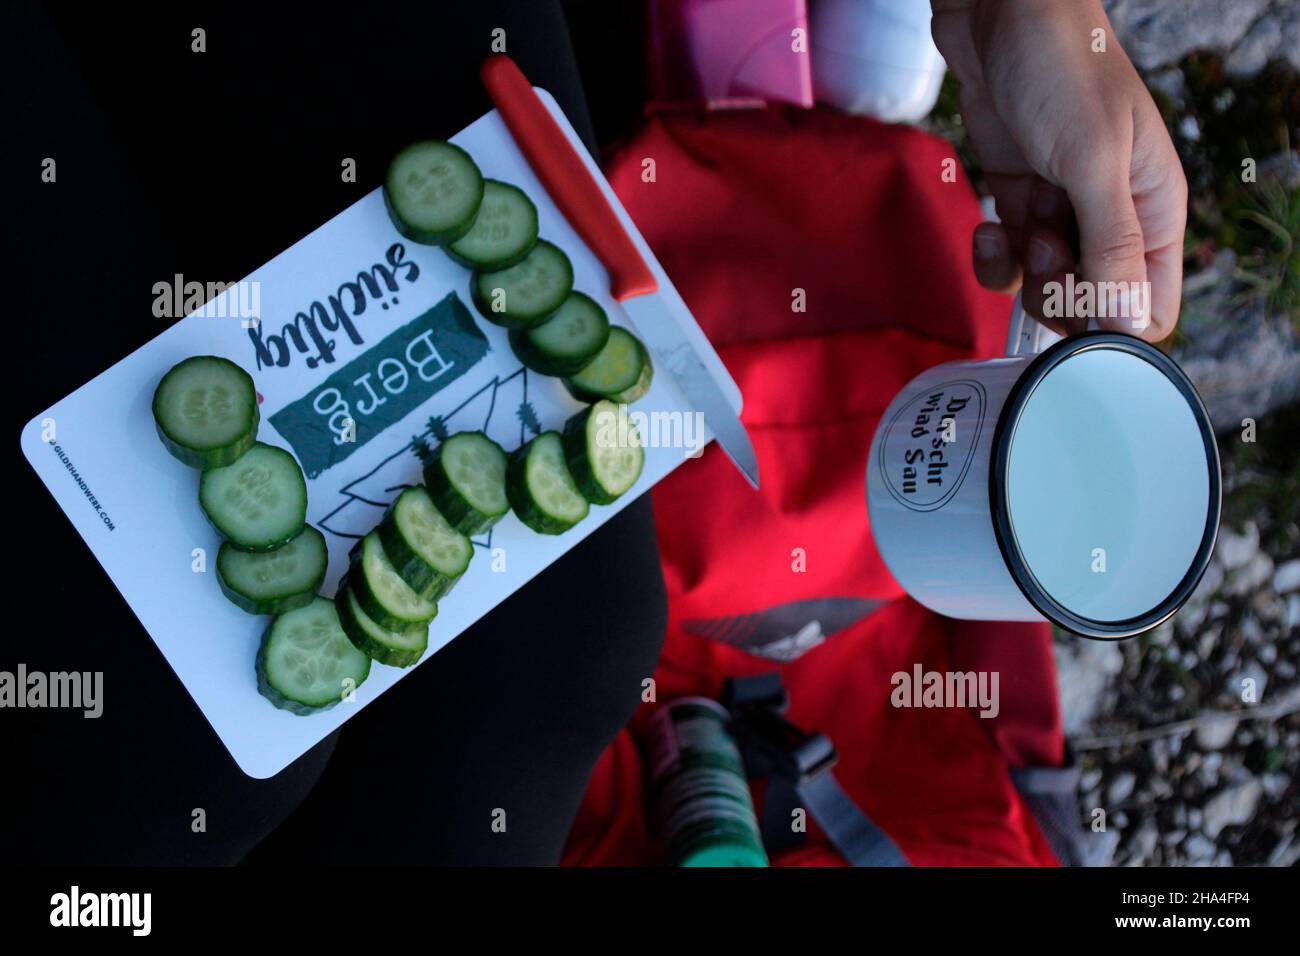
point(1027, 336)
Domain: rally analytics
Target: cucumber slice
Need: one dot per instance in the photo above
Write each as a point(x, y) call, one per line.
point(259, 502)
point(306, 663)
point(272, 582)
point(567, 341)
point(432, 192)
point(465, 477)
point(504, 230)
point(527, 292)
point(621, 371)
point(427, 553)
point(384, 596)
point(540, 488)
point(206, 412)
point(399, 648)
point(604, 458)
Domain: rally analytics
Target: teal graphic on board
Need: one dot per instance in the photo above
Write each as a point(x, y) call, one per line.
point(381, 386)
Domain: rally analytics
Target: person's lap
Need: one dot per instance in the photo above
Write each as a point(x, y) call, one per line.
point(512, 714)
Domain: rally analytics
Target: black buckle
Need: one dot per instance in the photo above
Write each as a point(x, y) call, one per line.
point(770, 745)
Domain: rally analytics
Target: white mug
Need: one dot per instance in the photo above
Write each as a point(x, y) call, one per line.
point(1079, 485)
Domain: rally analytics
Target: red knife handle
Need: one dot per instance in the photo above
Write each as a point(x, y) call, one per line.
point(565, 176)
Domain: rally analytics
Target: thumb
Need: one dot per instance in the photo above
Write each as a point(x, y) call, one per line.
point(1113, 252)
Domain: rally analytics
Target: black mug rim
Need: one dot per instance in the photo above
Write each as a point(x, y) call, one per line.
point(1009, 416)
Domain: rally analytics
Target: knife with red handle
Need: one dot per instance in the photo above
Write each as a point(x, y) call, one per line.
point(579, 197)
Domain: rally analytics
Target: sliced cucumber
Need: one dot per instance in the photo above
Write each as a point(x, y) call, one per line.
point(504, 230)
point(604, 455)
point(524, 294)
point(567, 341)
point(540, 488)
point(621, 371)
point(399, 648)
point(259, 502)
point(428, 553)
point(306, 663)
point(272, 582)
point(206, 412)
point(432, 192)
point(384, 596)
point(465, 477)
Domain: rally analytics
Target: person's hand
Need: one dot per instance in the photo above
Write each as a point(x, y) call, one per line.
point(1069, 140)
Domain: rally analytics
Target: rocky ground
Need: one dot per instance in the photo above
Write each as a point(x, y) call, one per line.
point(1189, 738)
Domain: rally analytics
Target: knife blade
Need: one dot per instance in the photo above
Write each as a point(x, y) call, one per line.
point(579, 197)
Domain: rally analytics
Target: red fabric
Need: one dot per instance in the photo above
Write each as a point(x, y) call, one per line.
point(744, 208)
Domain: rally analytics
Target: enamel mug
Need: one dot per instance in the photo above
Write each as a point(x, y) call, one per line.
point(1075, 480)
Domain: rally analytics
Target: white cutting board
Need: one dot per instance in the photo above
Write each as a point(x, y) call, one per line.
point(137, 508)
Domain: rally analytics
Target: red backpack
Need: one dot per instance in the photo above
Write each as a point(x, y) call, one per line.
point(827, 258)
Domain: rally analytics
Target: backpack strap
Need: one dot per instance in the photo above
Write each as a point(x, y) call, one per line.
point(798, 767)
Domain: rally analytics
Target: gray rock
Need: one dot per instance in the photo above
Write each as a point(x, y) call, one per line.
point(1287, 577)
point(1293, 612)
point(1174, 837)
point(1262, 42)
point(1099, 848)
point(1121, 788)
point(1275, 785)
point(1268, 653)
point(1237, 684)
point(1156, 32)
point(1243, 358)
point(1197, 848)
point(1084, 671)
point(1144, 841)
point(1250, 629)
point(1215, 733)
point(1235, 549)
point(1212, 763)
point(1089, 779)
point(1232, 806)
point(1251, 577)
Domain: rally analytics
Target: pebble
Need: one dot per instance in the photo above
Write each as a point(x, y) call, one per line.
point(1239, 685)
point(1174, 837)
point(1197, 848)
point(1269, 606)
point(1215, 732)
point(1195, 818)
point(1212, 763)
point(1293, 612)
point(1209, 582)
point(1144, 841)
point(1100, 847)
point(1235, 549)
point(1251, 576)
point(1250, 629)
point(1121, 788)
point(1232, 806)
point(1268, 653)
point(1089, 779)
point(1287, 577)
point(1275, 784)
